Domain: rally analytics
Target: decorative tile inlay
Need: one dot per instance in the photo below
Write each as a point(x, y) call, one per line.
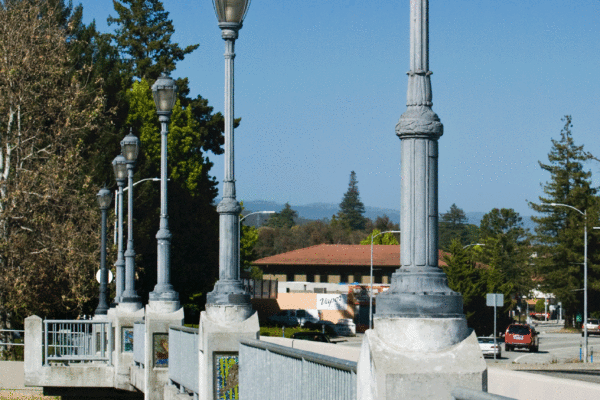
point(160, 346)
point(127, 337)
point(227, 376)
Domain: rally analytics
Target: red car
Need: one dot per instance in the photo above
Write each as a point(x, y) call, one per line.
point(521, 336)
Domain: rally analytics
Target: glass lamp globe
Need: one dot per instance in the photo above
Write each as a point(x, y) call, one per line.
point(130, 147)
point(164, 92)
point(104, 197)
point(120, 167)
point(231, 11)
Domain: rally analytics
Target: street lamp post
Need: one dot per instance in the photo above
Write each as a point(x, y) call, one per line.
point(164, 92)
point(104, 199)
point(371, 279)
point(229, 289)
point(120, 169)
point(130, 147)
point(585, 307)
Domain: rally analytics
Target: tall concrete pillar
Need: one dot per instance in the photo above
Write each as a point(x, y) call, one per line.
point(420, 347)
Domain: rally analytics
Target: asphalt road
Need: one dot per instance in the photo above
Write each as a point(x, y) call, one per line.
point(558, 354)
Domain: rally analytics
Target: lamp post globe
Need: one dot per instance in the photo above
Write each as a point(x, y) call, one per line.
point(130, 147)
point(164, 92)
point(231, 13)
point(120, 169)
point(229, 290)
point(104, 197)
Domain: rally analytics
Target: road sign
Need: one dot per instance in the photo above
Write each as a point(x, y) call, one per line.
point(495, 299)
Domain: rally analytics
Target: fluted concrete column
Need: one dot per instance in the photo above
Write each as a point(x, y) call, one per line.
point(419, 288)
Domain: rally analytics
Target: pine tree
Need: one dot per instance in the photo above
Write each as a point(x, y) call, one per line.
point(507, 247)
point(559, 232)
point(453, 225)
point(283, 219)
point(143, 37)
point(351, 208)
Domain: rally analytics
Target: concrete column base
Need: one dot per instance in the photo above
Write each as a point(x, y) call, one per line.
point(221, 328)
point(419, 358)
point(163, 306)
point(156, 374)
point(122, 319)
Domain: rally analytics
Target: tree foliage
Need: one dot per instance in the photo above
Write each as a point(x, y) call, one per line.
point(378, 238)
point(559, 231)
point(453, 225)
point(507, 248)
point(286, 218)
point(49, 222)
point(473, 281)
point(352, 210)
point(143, 38)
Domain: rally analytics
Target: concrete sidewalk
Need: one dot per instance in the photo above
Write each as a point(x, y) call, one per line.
point(12, 382)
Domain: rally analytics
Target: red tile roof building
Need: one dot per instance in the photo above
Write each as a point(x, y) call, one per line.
point(334, 263)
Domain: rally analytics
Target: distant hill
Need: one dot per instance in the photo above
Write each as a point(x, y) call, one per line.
point(320, 211)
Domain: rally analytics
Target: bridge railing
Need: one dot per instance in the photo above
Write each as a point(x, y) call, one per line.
point(139, 343)
point(77, 341)
point(183, 359)
point(268, 372)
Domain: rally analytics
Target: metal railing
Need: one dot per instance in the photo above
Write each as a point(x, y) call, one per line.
point(7, 337)
point(183, 359)
point(461, 393)
point(77, 341)
point(139, 343)
point(269, 372)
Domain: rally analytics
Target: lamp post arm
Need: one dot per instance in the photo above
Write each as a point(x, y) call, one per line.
point(566, 205)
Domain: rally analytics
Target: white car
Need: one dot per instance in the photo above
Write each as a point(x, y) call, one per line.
point(593, 327)
point(486, 344)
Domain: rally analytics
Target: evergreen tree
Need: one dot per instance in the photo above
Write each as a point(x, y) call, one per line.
point(559, 233)
point(283, 219)
point(143, 38)
point(507, 248)
point(473, 281)
point(351, 208)
point(453, 225)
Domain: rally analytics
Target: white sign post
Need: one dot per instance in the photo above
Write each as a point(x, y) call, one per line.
point(495, 300)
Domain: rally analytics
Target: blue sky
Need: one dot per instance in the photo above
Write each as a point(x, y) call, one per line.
point(321, 84)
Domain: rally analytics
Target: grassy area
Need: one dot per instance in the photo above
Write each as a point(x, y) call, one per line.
point(11, 394)
point(277, 331)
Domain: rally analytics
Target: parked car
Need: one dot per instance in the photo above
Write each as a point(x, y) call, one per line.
point(521, 336)
point(312, 336)
point(327, 327)
point(486, 344)
point(593, 327)
point(292, 318)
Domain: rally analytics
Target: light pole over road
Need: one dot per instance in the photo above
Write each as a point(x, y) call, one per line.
point(164, 92)
point(371, 280)
point(229, 289)
point(585, 307)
